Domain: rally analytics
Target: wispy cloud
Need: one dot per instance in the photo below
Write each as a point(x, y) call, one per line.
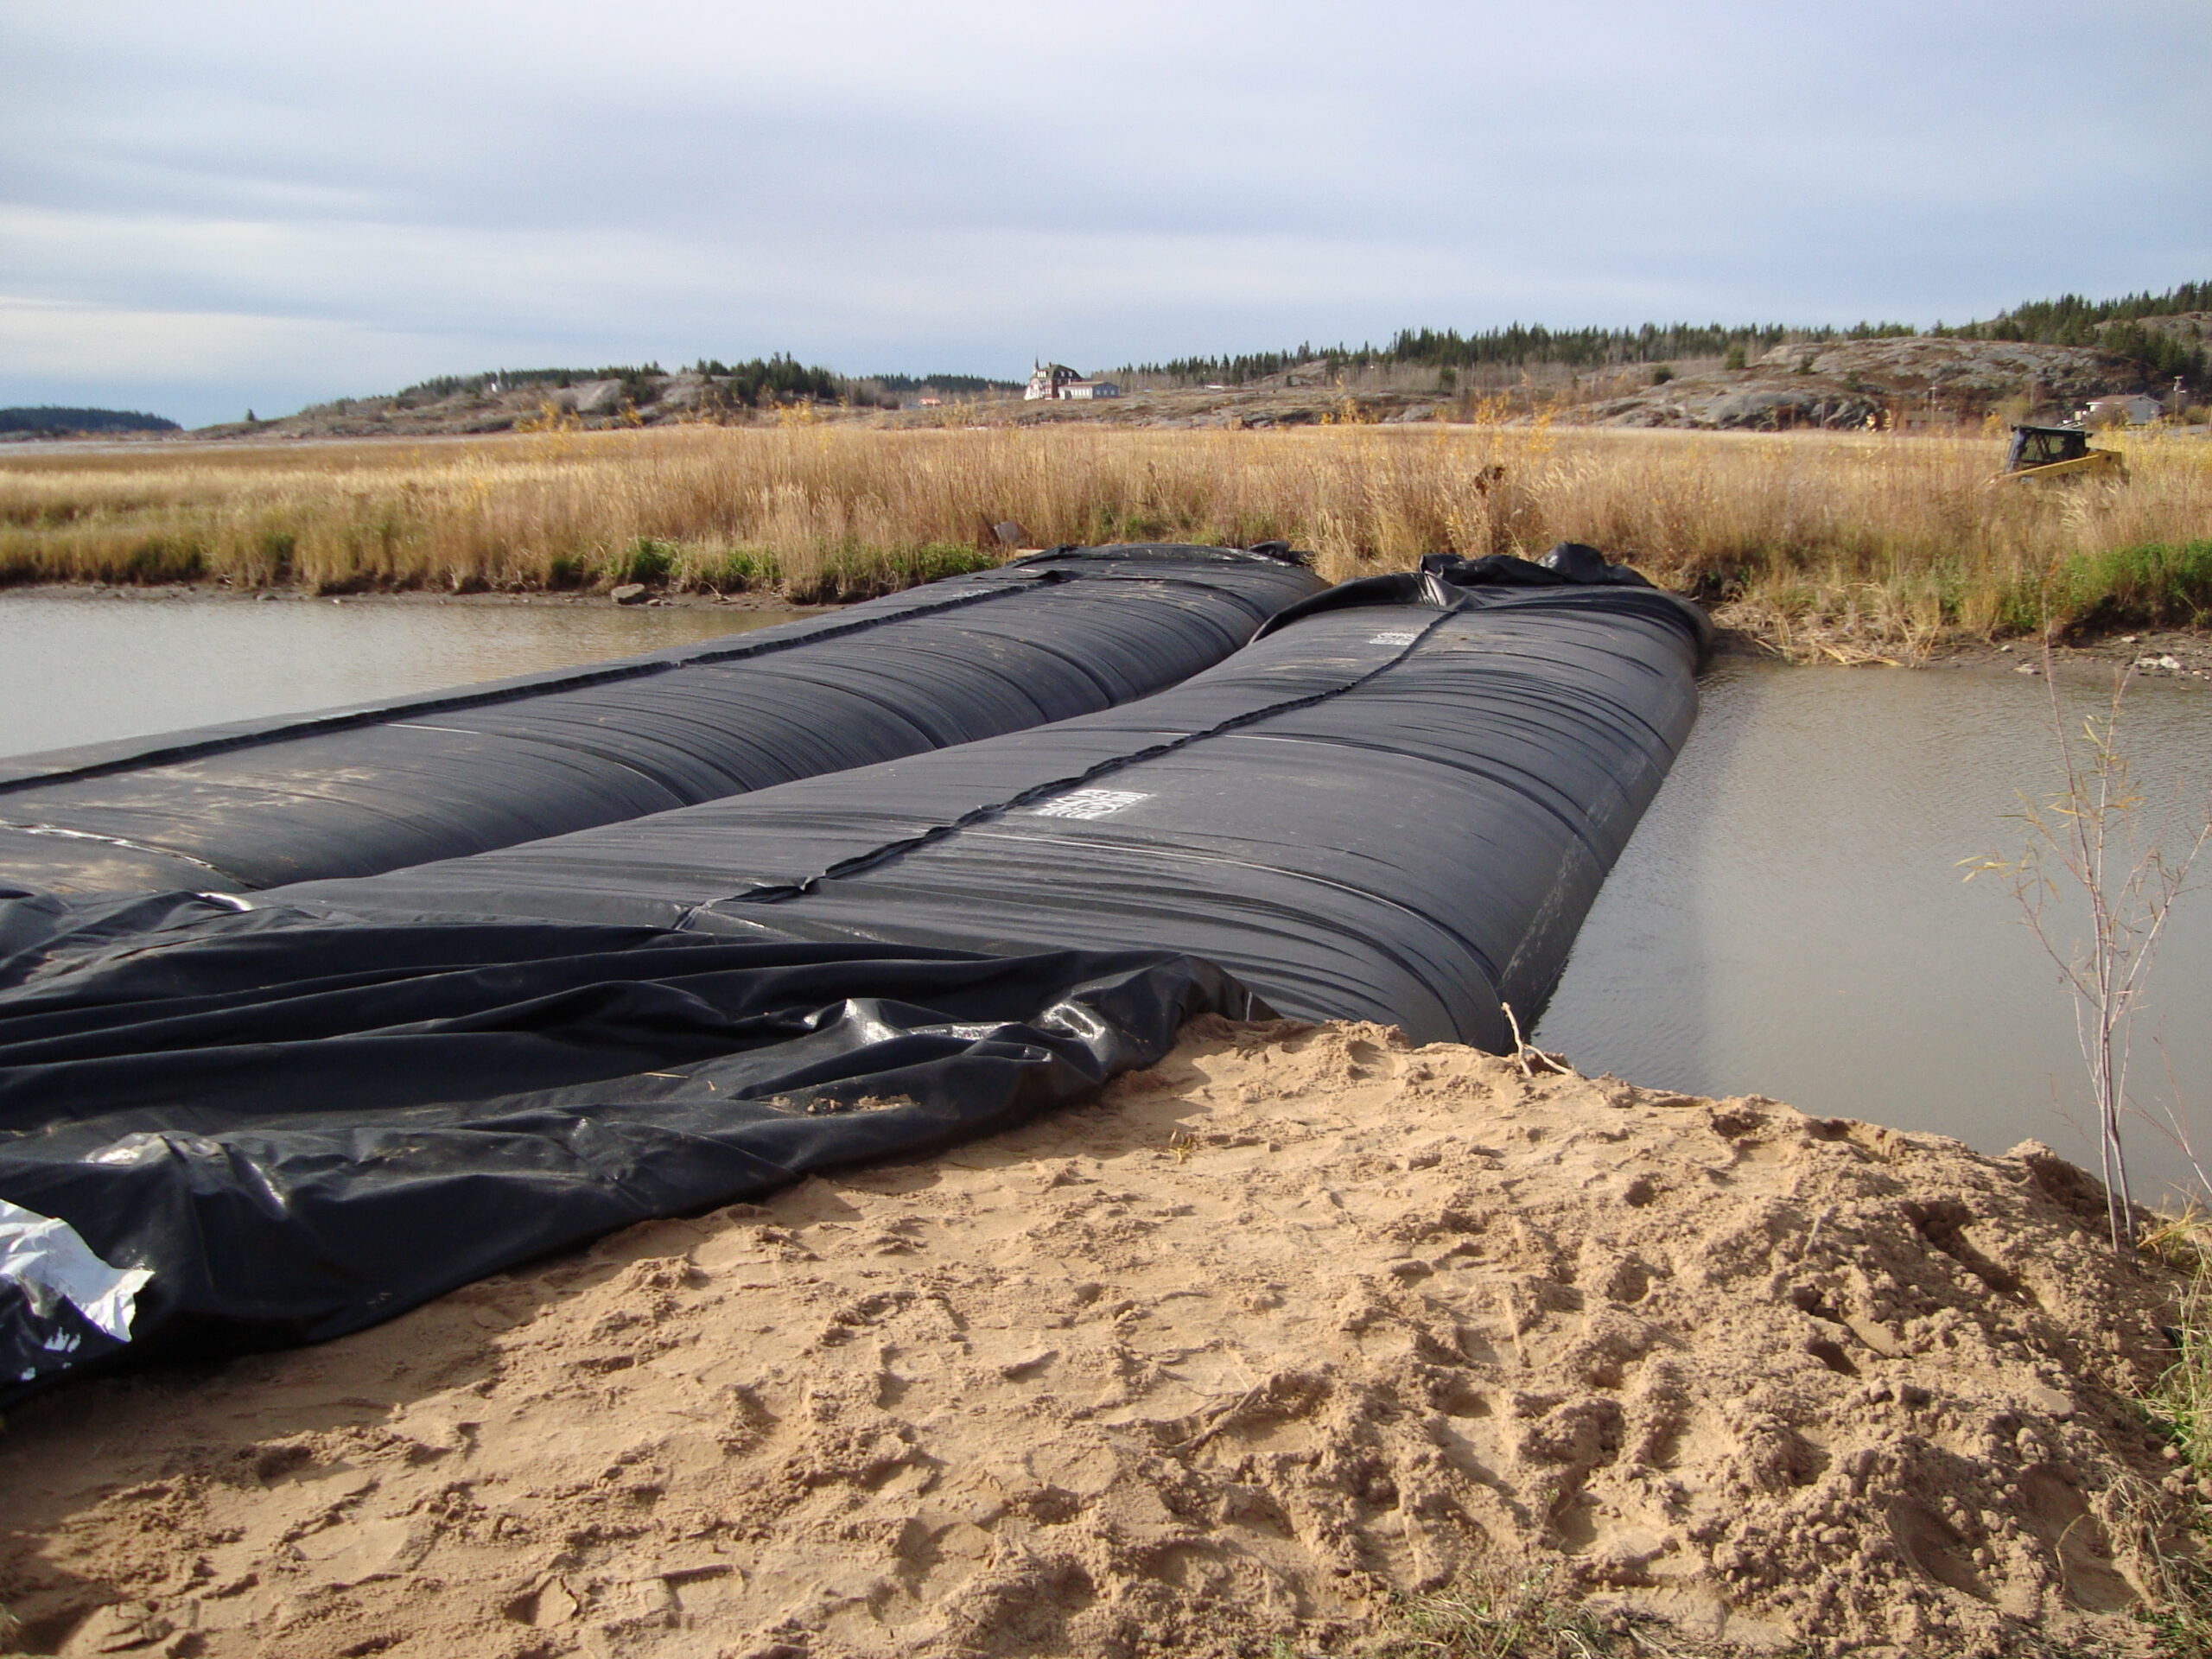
point(268, 204)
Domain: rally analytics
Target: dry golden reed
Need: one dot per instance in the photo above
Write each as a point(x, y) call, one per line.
point(1882, 537)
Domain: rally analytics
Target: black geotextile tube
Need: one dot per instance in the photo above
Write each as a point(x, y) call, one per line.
point(301, 1113)
point(371, 787)
point(295, 1130)
point(1397, 804)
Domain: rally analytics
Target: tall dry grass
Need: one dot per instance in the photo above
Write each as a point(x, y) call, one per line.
point(1885, 537)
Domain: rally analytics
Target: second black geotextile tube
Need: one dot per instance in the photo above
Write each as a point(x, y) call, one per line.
point(354, 790)
point(1397, 804)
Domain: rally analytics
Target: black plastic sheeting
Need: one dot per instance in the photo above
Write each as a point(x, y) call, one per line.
point(260, 1131)
point(1396, 804)
point(231, 1123)
point(354, 790)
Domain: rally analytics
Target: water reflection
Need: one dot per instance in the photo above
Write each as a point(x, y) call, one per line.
point(82, 668)
point(1791, 920)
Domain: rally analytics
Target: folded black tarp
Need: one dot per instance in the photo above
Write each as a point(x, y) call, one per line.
point(234, 1123)
point(353, 791)
point(222, 1132)
point(1396, 804)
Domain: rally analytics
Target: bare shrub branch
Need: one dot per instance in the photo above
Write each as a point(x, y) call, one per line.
point(2093, 853)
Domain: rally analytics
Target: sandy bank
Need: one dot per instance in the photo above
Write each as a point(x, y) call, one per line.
point(1302, 1320)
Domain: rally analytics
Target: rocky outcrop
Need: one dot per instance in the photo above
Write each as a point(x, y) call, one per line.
point(1851, 383)
point(1716, 407)
point(593, 398)
point(1951, 367)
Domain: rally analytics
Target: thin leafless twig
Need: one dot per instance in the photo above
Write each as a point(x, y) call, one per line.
point(2091, 844)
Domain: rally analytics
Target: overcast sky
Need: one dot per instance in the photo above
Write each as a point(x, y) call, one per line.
point(210, 206)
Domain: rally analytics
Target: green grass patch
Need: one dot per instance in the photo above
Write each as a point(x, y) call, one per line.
point(737, 571)
point(936, 560)
point(2148, 585)
point(855, 572)
point(647, 559)
point(1530, 1616)
point(2179, 1407)
point(164, 558)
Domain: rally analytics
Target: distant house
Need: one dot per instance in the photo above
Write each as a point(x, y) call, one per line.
point(2121, 409)
point(1055, 380)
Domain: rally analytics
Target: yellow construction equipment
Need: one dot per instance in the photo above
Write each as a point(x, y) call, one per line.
point(2058, 452)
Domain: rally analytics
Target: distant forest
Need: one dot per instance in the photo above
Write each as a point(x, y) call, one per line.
point(448, 386)
point(970, 383)
point(48, 417)
point(2113, 325)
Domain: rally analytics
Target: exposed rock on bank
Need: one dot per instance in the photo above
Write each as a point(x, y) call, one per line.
point(1303, 1319)
point(1847, 383)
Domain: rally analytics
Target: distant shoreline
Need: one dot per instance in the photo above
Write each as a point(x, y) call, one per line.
point(220, 592)
point(2084, 659)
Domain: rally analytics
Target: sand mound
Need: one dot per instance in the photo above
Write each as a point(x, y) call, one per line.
point(1303, 1319)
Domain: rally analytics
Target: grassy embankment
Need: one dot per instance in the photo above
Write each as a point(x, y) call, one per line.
point(1811, 539)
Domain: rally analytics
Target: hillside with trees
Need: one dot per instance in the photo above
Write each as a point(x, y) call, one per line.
point(48, 420)
point(2156, 331)
point(611, 394)
point(2043, 359)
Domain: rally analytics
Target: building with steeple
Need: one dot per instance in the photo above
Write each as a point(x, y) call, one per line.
point(1056, 380)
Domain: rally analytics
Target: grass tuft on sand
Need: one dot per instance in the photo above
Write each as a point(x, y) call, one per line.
point(1528, 1616)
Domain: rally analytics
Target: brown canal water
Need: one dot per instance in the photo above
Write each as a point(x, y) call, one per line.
point(1790, 918)
point(82, 668)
